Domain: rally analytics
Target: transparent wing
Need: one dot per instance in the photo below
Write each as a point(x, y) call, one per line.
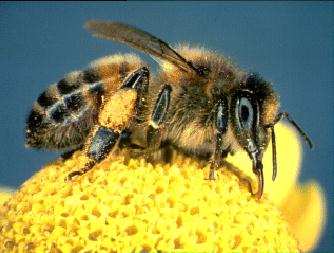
point(140, 40)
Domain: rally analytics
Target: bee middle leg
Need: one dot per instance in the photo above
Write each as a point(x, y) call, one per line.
point(149, 144)
point(157, 118)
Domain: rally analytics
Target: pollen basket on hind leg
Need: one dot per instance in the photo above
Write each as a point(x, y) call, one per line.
point(117, 112)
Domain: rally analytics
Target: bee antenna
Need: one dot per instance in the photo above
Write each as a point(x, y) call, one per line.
point(292, 122)
point(273, 143)
point(280, 116)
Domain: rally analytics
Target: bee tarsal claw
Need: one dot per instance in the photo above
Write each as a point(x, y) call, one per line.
point(212, 172)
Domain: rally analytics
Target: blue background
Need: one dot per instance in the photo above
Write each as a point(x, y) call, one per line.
point(289, 43)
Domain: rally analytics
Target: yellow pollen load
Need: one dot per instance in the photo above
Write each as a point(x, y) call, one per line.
point(134, 206)
point(124, 101)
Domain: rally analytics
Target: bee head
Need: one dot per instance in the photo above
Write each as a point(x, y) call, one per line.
point(253, 107)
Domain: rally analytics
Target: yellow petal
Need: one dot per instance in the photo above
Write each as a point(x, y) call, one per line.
point(305, 210)
point(304, 206)
point(289, 155)
point(288, 150)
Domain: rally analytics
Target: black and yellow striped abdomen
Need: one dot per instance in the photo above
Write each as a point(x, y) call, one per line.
point(65, 112)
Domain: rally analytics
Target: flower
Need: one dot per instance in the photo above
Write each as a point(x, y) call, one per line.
point(134, 206)
point(5, 193)
point(302, 205)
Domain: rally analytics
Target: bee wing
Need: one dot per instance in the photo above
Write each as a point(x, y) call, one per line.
point(140, 40)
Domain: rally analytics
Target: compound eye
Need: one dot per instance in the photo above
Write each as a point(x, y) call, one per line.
point(245, 113)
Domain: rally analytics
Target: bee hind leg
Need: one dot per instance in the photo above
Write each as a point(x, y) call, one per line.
point(106, 134)
point(68, 154)
point(101, 144)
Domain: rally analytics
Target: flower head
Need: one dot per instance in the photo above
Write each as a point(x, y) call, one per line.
point(138, 207)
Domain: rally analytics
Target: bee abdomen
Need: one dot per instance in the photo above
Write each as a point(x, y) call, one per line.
point(71, 83)
point(67, 121)
point(34, 120)
point(68, 108)
point(64, 114)
point(46, 99)
point(64, 87)
point(60, 127)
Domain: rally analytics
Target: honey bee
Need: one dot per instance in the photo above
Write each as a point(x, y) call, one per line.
point(199, 103)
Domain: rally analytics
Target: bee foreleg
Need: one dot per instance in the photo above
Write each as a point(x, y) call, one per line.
point(157, 118)
point(216, 160)
point(221, 126)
